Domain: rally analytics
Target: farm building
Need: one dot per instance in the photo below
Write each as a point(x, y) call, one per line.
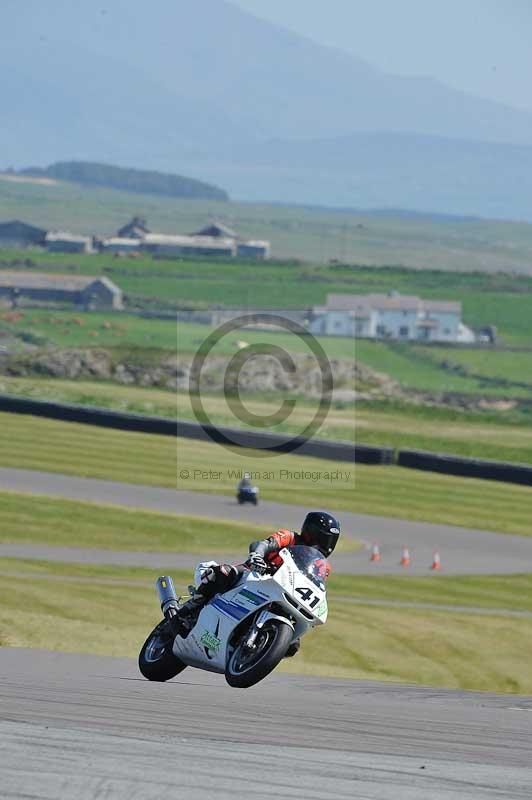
point(118, 244)
point(62, 242)
point(253, 249)
point(218, 230)
point(244, 248)
point(136, 228)
point(163, 245)
point(390, 316)
point(80, 290)
point(19, 234)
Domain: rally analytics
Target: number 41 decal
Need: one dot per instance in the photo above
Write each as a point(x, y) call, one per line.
point(308, 596)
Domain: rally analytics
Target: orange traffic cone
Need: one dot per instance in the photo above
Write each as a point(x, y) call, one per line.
point(405, 557)
point(375, 553)
point(436, 561)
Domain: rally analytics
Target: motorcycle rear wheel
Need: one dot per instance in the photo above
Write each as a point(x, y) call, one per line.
point(246, 669)
point(156, 659)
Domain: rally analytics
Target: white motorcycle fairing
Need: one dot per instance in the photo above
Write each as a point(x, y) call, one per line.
point(290, 595)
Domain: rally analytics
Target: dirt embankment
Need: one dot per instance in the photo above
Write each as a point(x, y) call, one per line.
point(261, 373)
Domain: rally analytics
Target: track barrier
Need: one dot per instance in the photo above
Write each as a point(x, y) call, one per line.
point(318, 448)
point(466, 467)
point(88, 415)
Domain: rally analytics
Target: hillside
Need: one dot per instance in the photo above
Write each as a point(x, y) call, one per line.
point(138, 99)
point(139, 181)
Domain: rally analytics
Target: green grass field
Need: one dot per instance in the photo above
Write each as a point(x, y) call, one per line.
point(110, 611)
point(128, 332)
point(504, 300)
point(31, 519)
point(313, 234)
point(33, 443)
point(28, 519)
point(510, 369)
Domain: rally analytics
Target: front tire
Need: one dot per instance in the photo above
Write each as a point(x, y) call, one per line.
point(244, 670)
point(156, 659)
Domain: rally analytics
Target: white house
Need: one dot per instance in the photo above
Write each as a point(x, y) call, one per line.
point(390, 316)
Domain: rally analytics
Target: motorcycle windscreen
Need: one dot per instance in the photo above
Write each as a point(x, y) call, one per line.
point(311, 563)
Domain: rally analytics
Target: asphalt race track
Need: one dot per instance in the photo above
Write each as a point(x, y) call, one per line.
point(463, 551)
point(83, 727)
point(91, 728)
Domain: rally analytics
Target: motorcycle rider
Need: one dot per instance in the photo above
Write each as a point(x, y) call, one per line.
point(244, 483)
point(320, 530)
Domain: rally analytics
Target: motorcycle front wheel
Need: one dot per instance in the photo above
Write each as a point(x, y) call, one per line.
point(247, 667)
point(156, 659)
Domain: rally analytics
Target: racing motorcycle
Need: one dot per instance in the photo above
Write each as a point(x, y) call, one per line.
point(248, 494)
point(245, 632)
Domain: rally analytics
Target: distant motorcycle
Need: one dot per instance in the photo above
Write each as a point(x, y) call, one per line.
point(245, 632)
point(248, 494)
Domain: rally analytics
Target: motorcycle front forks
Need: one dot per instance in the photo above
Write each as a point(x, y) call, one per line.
point(259, 620)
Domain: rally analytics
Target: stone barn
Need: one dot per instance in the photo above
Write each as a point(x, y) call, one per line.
point(62, 242)
point(30, 288)
point(19, 234)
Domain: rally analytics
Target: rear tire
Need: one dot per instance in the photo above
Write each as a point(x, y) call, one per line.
point(243, 671)
point(156, 659)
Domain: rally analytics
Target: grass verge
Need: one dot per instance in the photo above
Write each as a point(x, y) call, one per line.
point(33, 443)
point(31, 519)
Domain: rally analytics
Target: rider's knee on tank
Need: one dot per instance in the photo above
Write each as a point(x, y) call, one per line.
point(217, 579)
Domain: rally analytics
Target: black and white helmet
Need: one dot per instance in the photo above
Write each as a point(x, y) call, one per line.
point(321, 530)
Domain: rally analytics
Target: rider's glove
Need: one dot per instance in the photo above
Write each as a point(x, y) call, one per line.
point(257, 563)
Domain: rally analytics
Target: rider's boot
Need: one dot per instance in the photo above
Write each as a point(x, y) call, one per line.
point(293, 649)
point(189, 612)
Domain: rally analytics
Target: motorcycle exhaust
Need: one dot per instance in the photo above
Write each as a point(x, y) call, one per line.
point(167, 596)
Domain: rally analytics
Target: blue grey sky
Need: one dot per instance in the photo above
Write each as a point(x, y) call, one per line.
point(479, 46)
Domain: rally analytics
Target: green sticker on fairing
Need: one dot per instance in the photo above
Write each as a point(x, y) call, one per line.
point(210, 641)
point(321, 610)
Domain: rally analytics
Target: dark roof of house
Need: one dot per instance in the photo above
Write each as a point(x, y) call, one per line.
point(136, 228)
point(217, 229)
point(16, 226)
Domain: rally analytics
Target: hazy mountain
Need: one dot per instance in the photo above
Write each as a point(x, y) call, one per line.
point(183, 85)
point(388, 170)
